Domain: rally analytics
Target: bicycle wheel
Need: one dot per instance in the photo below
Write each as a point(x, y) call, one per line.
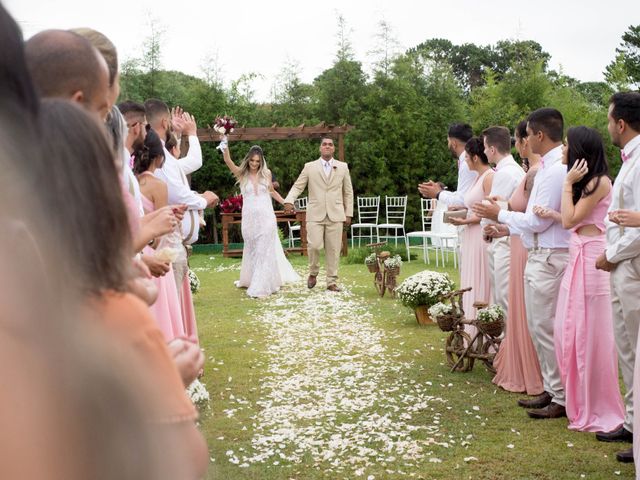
point(489, 350)
point(455, 347)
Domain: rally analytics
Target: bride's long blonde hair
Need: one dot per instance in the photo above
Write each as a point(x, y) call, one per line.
point(264, 174)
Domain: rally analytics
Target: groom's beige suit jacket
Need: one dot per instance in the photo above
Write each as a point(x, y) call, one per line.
point(330, 197)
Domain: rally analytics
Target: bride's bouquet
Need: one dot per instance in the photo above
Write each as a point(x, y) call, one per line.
point(224, 126)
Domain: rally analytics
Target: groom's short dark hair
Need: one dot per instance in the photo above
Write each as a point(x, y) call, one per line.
point(460, 131)
point(327, 137)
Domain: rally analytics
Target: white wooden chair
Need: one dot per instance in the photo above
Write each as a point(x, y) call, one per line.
point(427, 209)
point(300, 205)
point(368, 213)
point(396, 211)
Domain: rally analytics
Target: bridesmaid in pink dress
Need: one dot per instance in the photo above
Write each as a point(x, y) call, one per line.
point(516, 363)
point(166, 309)
point(474, 265)
point(583, 332)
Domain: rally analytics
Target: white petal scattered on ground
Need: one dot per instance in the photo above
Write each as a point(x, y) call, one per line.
point(511, 445)
point(470, 459)
point(335, 392)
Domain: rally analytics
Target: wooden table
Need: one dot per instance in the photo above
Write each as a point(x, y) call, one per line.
point(231, 218)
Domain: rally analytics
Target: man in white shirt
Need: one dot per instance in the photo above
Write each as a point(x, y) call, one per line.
point(457, 137)
point(548, 246)
point(622, 256)
point(497, 148)
point(173, 174)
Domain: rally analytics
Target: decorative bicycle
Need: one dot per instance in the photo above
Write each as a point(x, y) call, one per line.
point(461, 349)
point(384, 278)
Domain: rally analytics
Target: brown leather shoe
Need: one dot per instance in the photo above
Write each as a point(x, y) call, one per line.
point(625, 456)
point(539, 401)
point(311, 281)
point(553, 410)
point(333, 288)
point(619, 435)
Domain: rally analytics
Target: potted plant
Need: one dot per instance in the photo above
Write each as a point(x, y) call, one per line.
point(423, 290)
point(490, 320)
point(371, 261)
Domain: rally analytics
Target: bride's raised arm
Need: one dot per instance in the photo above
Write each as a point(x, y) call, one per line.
point(227, 157)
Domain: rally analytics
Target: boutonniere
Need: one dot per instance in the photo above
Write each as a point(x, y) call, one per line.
point(335, 167)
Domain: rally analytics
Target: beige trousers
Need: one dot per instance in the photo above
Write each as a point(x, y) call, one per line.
point(625, 302)
point(499, 254)
point(542, 277)
point(328, 235)
point(180, 269)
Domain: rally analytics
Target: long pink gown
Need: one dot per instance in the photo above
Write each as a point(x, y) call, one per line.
point(166, 309)
point(583, 334)
point(474, 264)
point(516, 363)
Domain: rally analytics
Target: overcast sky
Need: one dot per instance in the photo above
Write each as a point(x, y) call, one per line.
point(262, 36)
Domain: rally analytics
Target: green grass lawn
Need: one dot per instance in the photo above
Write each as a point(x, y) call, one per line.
point(399, 412)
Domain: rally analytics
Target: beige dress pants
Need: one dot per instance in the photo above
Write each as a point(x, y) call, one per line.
point(542, 277)
point(180, 269)
point(499, 253)
point(325, 234)
point(625, 301)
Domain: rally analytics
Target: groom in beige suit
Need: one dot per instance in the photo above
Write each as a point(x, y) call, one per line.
point(329, 208)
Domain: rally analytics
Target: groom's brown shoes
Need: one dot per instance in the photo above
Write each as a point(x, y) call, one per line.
point(333, 288)
point(311, 281)
point(539, 401)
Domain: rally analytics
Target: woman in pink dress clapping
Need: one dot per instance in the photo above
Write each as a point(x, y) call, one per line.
point(584, 341)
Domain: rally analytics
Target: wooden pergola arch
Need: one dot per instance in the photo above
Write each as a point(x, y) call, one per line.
point(301, 132)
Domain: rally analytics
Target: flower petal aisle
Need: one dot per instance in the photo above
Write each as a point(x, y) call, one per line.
point(335, 392)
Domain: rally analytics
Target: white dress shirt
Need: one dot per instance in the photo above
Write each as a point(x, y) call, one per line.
point(547, 192)
point(624, 243)
point(466, 179)
point(193, 160)
point(180, 193)
point(327, 165)
point(506, 179)
point(130, 181)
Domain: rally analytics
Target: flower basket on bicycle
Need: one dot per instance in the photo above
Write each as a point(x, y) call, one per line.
point(490, 320)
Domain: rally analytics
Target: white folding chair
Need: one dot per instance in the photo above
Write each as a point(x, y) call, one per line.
point(396, 211)
point(301, 205)
point(368, 212)
point(427, 209)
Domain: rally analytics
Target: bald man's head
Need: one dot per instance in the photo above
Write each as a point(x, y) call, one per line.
point(65, 65)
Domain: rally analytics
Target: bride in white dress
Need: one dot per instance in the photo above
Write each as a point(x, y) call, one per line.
point(264, 266)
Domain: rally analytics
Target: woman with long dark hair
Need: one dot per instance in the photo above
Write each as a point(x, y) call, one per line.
point(583, 332)
point(154, 193)
point(474, 264)
point(77, 183)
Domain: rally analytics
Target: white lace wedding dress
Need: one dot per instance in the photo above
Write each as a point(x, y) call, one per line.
point(264, 266)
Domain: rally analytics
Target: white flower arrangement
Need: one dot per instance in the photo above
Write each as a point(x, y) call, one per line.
point(198, 394)
point(393, 262)
point(194, 281)
point(424, 288)
point(492, 313)
point(371, 259)
point(440, 309)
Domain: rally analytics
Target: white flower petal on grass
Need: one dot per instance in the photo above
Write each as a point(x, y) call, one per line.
point(334, 390)
point(470, 459)
point(511, 445)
